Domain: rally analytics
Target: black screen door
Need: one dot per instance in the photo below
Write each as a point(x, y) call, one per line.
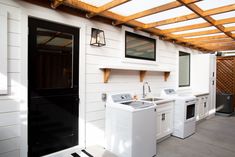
point(53, 87)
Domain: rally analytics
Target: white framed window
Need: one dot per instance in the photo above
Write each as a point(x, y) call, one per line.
point(3, 52)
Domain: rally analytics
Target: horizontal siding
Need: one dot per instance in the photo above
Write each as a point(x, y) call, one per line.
point(9, 145)
point(8, 132)
point(13, 153)
point(10, 104)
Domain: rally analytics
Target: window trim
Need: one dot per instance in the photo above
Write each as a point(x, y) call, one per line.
point(3, 53)
point(189, 83)
point(142, 37)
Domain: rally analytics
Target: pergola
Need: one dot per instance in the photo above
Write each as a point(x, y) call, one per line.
point(206, 25)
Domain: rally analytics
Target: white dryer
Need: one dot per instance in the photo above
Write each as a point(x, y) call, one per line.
point(184, 113)
point(130, 126)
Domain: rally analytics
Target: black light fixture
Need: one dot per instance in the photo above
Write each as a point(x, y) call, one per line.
point(97, 37)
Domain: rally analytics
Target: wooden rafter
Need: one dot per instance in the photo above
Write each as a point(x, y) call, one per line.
point(210, 20)
point(199, 25)
point(206, 38)
point(223, 40)
point(219, 10)
point(106, 7)
point(56, 3)
point(229, 29)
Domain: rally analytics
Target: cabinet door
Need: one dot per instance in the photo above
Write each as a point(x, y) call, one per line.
point(166, 119)
point(159, 125)
point(198, 108)
point(201, 108)
point(206, 106)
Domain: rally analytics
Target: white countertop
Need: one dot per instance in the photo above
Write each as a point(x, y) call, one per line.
point(200, 93)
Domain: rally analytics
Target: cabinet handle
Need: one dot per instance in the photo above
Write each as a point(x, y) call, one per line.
point(163, 116)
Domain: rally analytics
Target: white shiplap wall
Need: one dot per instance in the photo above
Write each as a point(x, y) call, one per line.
point(10, 104)
point(120, 81)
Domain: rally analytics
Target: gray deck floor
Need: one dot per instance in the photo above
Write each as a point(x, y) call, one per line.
point(213, 138)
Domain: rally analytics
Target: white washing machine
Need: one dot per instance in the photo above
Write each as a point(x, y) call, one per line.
point(184, 113)
point(130, 127)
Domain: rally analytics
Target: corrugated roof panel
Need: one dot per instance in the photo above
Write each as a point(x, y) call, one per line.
point(180, 11)
point(224, 15)
point(96, 3)
point(136, 6)
point(229, 25)
point(184, 23)
point(208, 35)
point(211, 4)
point(195, 30)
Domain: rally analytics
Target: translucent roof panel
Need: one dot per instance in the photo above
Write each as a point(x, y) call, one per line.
point(224, 15)
point(211, 4)
point(196, 30)
point(96, 3)
point(229, 25)
point(180, 11)
point(181, 24)
point(204, 35)
point(136, 6)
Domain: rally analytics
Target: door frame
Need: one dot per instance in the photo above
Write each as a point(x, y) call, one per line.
point(50, 15)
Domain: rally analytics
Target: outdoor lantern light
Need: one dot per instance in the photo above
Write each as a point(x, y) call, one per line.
point(97, 37)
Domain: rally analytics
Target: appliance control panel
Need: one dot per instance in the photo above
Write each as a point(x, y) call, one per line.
point(169, 91)
point(121, 97)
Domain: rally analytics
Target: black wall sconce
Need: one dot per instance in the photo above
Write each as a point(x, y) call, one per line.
point(97, 37)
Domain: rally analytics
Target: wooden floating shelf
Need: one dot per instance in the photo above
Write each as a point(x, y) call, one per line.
point(142, 72)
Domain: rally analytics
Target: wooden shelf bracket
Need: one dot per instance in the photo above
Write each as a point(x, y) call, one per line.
point(166, 75)
point(107, 73)
point(142, 75)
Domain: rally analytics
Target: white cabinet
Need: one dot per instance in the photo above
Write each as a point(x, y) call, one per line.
point(164, 119)
point(202, 107)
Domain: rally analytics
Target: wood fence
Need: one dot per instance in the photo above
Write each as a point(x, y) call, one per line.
point(225, 81)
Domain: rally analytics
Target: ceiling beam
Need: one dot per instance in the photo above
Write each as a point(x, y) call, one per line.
point(222, 40)
point(229, 29)
point(106, 7)
point(206, 38)
point(210, 20)
point(56, 3)
point(192, 16)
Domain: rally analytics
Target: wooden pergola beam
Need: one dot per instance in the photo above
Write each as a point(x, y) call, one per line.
point(221, 48)
point(210, 20)
point(106, 7)
point(223, 40)
point(231, 43)
point(192, 16)
point(213, 31)
point(206, 38)
point(56, 3)
point(229, 29)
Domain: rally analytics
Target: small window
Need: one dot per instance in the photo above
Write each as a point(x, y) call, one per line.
point(184, 69)
point(140, 47)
